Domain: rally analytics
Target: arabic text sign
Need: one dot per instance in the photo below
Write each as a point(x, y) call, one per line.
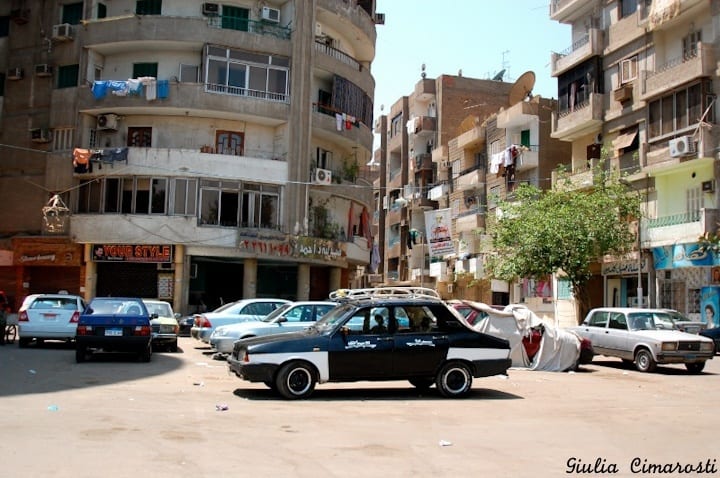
point(438, 230)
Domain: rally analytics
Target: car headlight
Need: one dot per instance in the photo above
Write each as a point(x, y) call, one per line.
point(707, 346)
point(220, 333)
point(669, 346)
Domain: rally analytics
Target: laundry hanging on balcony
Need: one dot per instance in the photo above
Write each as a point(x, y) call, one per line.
point(83, 159)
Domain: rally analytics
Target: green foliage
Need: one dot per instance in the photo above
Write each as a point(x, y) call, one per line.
point(564, 229)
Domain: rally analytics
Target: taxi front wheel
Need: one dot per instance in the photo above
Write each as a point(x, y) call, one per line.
point(454, 380)
point(296, 380)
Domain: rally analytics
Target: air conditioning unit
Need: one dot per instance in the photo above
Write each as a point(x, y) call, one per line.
point(708, 186)
point(323, 176)
point(40, 135)
point(318, 29)
point(379, 19)
point(623, 93)
point(682, 146)
point(445, 164)
point(62, 32)
point(211, 9)
point(43, 70)
point(270, 14)
point(14, 74)
point(107, 122)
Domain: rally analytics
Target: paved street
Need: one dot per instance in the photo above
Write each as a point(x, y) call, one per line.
point(117, 418)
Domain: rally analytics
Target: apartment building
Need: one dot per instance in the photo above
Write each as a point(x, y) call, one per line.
point(637, 87)
point(194, 151)
point(415, 165)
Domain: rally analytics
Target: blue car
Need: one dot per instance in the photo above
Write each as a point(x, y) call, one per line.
point(114, 324)
point(713, 334)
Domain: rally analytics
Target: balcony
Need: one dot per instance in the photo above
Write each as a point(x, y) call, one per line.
point(423, 162)
point(393, 216)
point(393, 248)
point(325, 124)
point(591, 44)
point(358, 251)
point(566, 11)
point(661, 18)
point(440, 154)
point(580, 178)
point(527, 159)
point(680, 70)
point(424, 125)
point(471, 138)
point(678, 228)
point(255, 166)
point(469, 222)
point(425, 90)
point(518, 116)
point(468, 181)
point(421, 201)
point(582, 119)
point(625, 30)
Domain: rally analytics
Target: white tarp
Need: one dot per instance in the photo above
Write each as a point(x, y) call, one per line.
point(559, 349)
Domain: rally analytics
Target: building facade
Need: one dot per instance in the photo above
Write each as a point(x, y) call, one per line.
point(637, 89)
point(192, 151)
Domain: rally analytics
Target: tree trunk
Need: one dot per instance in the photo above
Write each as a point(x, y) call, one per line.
point(582, 301)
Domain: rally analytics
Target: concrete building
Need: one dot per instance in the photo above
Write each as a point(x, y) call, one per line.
point(193, 151)
point(413, 155)
point(639, 81)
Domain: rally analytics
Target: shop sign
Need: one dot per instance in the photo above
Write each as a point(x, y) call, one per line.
point(43, 253)
point(619, 268)
point(683, 255)
point(132, 253)
point(297, 247)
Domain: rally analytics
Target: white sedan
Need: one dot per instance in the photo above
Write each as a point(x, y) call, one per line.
point(49, 316)
point(288, 318)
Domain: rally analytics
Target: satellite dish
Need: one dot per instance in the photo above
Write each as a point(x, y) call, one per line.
point(522, 88)
point(498, 77)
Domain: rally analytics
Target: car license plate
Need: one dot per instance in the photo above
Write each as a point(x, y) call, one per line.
point(690, 357)
point(113, 332)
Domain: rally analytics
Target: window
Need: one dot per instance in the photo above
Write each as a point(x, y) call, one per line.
point(525, 137)
point(189, 73)
point(4, 26)
point(680, 110)
point(564, 289)
point(230, 142)
point(62, 139)
point(323, 158)
point(627, 8)
point(68, 76)
point(72, 13)
point(599, 319)
point(158, 193)
point(231, 204)
point(628, 70)
point(235, 18)
point(139, 137)
point(184, 199)
point(148, 7)
point(101, 10)
point(145, 69)
point(396, 125)
point(693, 201)
point(244, 73)
point(690, 44)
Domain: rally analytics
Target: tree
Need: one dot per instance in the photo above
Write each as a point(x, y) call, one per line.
point(563, 230)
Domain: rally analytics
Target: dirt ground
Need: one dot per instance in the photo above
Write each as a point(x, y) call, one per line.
point(183, 415)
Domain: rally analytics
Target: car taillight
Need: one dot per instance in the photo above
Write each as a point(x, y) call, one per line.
point(84, 330)
point(142, 330)
point(202, 321)
point(23, 317)
point(75, 318)
point(246, 357)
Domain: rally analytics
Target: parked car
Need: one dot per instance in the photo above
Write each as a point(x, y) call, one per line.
point(646, 337)
point(164, 323)
point(714, 335)
point(114, 324)
point(684, 324)
point(185, 323)
point(49, 317)
point(353, 342)
point(239, 311)
point(535, 344)
point(286, 318)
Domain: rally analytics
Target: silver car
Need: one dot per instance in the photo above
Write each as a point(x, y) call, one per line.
point(244, 310)
point(287, 318)
point(646, 337)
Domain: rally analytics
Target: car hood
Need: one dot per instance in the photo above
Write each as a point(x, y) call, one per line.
point(668, 335)
point(239, 328)
point(287, 337)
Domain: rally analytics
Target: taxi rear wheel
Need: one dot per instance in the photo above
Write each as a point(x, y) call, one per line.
point(454, 380)
point(296, 380)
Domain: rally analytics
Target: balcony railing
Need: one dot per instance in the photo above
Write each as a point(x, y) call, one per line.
point(588, 45)
point(678, 228)
point(674, 219)
point(680, 70)
point(251, 26)
point(239, 91)
point(341, 56)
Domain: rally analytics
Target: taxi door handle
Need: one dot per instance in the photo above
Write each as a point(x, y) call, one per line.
point(441, 337)
point(385, 339)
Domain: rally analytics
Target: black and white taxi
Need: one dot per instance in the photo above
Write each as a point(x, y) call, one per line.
point(386, 333)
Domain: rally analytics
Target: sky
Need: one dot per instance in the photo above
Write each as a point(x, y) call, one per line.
point(479, 37)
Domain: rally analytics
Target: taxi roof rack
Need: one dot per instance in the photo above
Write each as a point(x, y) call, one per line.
point(341, 295)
